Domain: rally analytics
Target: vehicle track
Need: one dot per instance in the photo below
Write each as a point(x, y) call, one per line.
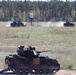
point(61, 72)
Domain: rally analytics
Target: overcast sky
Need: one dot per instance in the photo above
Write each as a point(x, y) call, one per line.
point(49, 0)
point(36, 0)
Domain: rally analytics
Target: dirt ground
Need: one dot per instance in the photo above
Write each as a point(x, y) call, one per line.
point(66, 72)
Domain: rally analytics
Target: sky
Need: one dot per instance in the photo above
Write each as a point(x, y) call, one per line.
point(36, 0)
point(49, 0)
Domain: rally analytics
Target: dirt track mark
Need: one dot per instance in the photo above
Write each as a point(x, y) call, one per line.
point(66, 72)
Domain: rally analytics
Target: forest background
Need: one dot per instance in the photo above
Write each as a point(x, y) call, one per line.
point(54, 10)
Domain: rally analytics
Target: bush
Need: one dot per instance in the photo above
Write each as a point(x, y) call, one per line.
point(70, 66)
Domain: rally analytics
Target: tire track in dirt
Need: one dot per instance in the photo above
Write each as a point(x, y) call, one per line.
point(66, 72)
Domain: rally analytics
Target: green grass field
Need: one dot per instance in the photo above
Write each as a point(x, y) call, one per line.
point(61, 40)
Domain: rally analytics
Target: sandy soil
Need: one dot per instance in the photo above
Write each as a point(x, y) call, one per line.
point(66, 72)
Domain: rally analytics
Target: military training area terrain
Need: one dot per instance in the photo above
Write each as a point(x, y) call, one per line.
point(60, 40)
point(37, 37)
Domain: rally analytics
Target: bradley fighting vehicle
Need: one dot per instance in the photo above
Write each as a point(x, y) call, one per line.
point(17, 24)
point(27, 60)
point(68, 24)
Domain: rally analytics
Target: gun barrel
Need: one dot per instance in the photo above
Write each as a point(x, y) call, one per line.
point(44, 51)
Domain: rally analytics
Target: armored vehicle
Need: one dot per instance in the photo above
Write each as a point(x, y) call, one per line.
point(27, 60)
point(17, 24)
point(68, 24)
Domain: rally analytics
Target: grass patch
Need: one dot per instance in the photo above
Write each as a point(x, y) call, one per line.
point(20, 35)
point(70, 67)
point(2, 59)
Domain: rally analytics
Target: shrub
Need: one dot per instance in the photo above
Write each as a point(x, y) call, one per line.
point(70, 66)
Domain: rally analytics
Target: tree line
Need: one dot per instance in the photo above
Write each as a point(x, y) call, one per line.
point(43, 11)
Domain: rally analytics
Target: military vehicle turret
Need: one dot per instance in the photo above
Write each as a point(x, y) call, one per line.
point(28, 60)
